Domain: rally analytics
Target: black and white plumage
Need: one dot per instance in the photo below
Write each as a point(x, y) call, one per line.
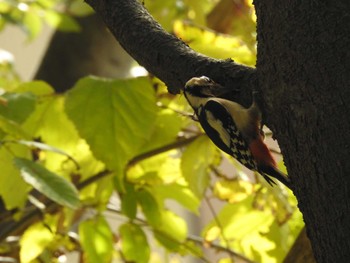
point(232, 128)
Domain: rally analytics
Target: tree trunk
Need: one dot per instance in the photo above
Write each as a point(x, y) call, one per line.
point(92, 51)
point(303, 71)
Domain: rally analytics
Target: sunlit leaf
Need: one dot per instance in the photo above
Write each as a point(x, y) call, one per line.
point(195, 164)
point(18, 106)
point(96, 239)
point(52, 185)
point(51, 125)
point(13, 189)
point(4, 7)
point(158, 169)
point(279, 235)
point(180, 193)
point(33, 23)
point(61, 21)
point(190, 247)
point(233, 191)
point(34, 240)
point(116, 117)
point(213, 44)
point(276, 199)
point(225, 260)
point(172, 230)
point(12, 128)
point(166, 128)
point(129, 201)
point(79, 8)
point(99, 192)
point(42, 146)
point(234, 17)
point(36, 87)
point(244, 225)
point(165, 12)
point(150, 207)
point(45, 147)
point(135, 246)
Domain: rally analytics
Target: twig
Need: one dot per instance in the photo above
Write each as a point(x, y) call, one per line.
point(195, 239)
point(162, 149)
point(50, 207)
point(211, 208)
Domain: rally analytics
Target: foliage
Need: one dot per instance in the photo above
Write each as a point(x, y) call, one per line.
point(30, 15)
point(127, 147)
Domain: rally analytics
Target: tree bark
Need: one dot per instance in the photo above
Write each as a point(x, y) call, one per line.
point(303, 69)
point(302, 73)
point(166, 56)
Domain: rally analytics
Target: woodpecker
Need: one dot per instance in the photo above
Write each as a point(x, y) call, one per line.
point(233, 128)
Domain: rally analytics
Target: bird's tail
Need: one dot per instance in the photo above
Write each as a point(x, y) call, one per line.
point(271, 171)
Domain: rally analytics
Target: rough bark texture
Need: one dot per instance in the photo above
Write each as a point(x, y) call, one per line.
point(303, 69)
point(166, 56)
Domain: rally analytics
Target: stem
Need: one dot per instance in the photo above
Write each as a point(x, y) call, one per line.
point(177, 144)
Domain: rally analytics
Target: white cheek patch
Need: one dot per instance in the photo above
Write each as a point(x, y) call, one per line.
point(218, 126)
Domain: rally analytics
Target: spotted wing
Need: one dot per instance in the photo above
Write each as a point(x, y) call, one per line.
point(222, 130)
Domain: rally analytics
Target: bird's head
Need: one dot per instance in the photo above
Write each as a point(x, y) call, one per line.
point(200, 87)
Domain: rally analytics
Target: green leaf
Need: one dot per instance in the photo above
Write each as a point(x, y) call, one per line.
point(61, 21)
point(149, 207)
point(245, 226)
point(214, 45)
point(195, 164)
point(172, 231)
point(52, 185)
point(115, 117)
point(18, 107)
point(135, 247)
point(233, 190)
point(13, 189)
point(155, 170)
point(12, 128)
point(96, 239)
point(79, 9)
point(33, 23)
point(45, 147)
point(5, 7)
point(166, 129)
point(37, 87)
point(34, 240)
point(50, 123)
point(179, 193)
point(129, 201)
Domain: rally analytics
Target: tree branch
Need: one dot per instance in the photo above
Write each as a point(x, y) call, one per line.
point(176, 144)
point(163, 54)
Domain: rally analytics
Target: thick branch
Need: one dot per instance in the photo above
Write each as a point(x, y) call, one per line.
point(94, 51)
point(161, 53)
